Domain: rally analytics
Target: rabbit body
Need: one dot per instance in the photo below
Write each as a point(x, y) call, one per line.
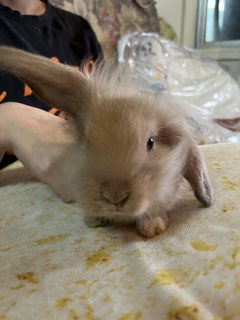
point(132, 148)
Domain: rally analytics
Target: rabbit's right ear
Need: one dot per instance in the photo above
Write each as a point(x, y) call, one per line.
point(196, 173)
point(58, 85)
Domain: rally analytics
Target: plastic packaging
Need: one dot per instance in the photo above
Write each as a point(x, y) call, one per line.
point(206, 94)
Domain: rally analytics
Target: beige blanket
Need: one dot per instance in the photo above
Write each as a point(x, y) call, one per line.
point(52, 266)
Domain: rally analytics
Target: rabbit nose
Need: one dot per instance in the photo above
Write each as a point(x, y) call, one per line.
point(118, 198)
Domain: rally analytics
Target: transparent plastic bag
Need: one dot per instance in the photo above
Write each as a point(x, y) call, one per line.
point(206, 94)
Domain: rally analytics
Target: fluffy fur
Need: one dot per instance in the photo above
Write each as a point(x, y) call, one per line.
point(118, 178)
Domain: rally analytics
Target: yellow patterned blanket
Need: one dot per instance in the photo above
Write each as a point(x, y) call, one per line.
point(52, 266)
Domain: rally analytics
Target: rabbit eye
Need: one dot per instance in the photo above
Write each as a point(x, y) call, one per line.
point(150, 144)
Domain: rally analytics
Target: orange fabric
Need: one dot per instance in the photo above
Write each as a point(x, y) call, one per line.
point(55, 59)
point(3, 95)
point(53, 110)
point(27, 91)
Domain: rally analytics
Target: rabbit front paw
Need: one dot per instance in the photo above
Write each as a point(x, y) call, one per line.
point(151, 227)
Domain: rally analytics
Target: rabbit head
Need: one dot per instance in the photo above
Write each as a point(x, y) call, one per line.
point(134, 147)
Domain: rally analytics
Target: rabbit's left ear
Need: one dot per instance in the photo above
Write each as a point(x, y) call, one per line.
point(59, 85)
point(196, 173)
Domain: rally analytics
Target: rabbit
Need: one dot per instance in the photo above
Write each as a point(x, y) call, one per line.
point(134, 148)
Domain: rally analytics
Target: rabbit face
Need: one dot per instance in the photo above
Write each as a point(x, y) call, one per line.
point(128, 158)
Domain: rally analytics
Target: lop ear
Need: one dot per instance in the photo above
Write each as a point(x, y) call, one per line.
point(58, 85)
point(196, 173)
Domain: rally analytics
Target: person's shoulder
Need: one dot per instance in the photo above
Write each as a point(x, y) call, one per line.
point(70, 16)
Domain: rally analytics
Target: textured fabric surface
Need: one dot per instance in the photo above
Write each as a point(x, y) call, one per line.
point(52, 266)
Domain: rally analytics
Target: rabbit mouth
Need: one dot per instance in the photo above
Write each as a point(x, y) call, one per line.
point(126, 203)
point(126, 209)
point(117, 205)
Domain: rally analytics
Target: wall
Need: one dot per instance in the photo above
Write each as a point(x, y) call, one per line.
point(182, 16)
point(173, 17)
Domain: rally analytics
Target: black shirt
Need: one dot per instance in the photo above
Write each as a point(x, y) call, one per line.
point(57, 34)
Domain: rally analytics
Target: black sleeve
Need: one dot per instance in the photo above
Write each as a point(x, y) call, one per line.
point(83, 40)
point(92, 44)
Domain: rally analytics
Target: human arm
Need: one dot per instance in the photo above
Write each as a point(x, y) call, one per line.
point(43, 145)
